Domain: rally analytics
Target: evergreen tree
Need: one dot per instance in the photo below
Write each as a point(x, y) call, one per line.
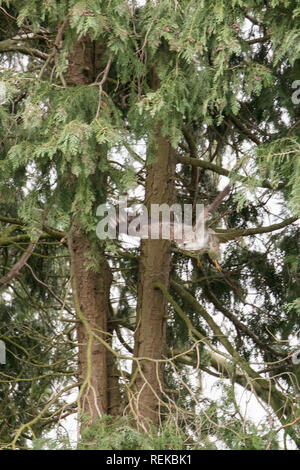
point(168, 99)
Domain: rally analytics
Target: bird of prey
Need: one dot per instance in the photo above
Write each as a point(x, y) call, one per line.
point(192, 240)
point(203, 239)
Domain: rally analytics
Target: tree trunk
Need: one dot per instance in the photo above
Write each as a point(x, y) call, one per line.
point(91, 297)
point(114, 398)
point(99, 393)
point(150, 337)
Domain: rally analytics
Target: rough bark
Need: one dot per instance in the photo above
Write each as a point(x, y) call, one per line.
point(114, 397)
point(91, 297)
point(150, 336)
point(97, 371)
point(85, 61)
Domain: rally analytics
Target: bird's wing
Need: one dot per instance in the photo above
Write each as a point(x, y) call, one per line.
point(169, 230)
point(217, 201)
point(209, 210)
point(142, 227)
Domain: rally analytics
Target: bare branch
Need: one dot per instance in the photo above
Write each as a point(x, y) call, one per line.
point(11, 45)
point(49, 230)
point(221, 171)
point(258, 40)
point(225, 235)
point(103, 80)
point(18, 266)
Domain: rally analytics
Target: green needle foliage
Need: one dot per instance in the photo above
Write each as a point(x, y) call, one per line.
point(224, 97)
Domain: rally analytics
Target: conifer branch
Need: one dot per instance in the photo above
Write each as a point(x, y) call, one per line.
point(221, 171)
point(18, 266)
point(11, 45)
point(49, 230)
point(103, 80)
point(226, 235)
